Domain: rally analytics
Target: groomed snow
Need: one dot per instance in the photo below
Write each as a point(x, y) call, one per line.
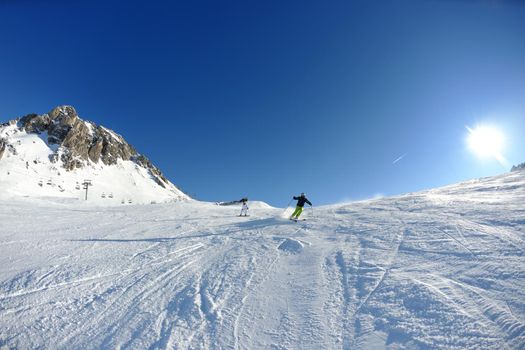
point(441, 269)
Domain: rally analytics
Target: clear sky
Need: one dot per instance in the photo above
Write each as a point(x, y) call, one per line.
point(266, 99)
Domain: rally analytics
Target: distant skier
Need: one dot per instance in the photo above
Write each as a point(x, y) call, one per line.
point(244, 209)
point(301, 200)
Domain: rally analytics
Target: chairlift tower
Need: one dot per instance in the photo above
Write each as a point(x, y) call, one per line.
point(86, 185)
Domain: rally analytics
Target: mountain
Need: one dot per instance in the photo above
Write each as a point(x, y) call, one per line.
point(440, 269)
point(51, 155)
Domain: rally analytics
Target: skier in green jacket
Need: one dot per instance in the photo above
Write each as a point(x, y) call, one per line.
point(301, 200)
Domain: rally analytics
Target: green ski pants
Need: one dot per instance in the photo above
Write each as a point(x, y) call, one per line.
point(297, 212)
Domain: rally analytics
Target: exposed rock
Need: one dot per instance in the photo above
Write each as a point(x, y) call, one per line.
point(81, 142)
point(154, 171)
point(95, 150)
point(34, 123)
point(3, 145)
point(70, 162)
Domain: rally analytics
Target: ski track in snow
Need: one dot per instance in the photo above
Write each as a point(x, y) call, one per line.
point(441, 269)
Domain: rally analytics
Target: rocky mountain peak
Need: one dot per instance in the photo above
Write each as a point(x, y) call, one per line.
point(83, 142)
point(65, 114)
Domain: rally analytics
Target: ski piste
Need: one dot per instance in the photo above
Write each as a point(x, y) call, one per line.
point(296, 220)
point(438, 269)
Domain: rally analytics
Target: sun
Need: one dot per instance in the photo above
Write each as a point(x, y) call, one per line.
point(486, 142)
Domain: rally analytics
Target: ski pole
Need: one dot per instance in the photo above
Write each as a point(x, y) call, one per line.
point(287, 205)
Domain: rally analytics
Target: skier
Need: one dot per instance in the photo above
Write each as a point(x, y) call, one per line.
point(244, 207)
point(301, 200)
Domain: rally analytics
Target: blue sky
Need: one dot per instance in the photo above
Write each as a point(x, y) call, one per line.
point(271, 98)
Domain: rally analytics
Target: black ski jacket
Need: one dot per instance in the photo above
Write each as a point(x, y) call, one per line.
point(301, 200)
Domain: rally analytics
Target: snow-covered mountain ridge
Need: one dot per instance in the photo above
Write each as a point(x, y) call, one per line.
point(439, 269)
point(52, 154)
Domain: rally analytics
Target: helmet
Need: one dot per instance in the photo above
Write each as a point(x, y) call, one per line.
point(302, 194)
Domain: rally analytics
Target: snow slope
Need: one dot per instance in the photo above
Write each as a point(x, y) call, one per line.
point(440, 269)
point(26, 171)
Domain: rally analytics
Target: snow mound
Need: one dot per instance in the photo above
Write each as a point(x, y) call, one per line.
point(259, 205)
point(291, 246)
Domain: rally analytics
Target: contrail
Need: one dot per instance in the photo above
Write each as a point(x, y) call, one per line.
point(398, 159)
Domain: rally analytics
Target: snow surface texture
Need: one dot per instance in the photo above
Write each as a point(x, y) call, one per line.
point(26, 170)
point(441, 269)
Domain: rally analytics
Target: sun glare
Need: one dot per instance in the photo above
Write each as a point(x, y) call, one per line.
point(486, 142)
